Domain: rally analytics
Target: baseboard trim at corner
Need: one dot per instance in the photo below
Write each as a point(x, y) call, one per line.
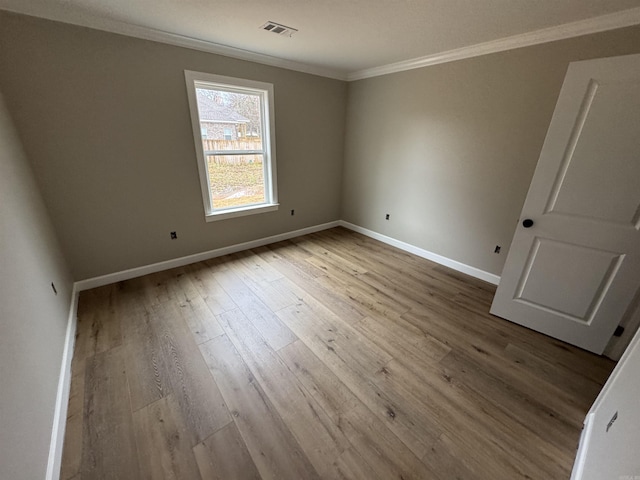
point(434, 257)
point(62, 397)
point(198, 257)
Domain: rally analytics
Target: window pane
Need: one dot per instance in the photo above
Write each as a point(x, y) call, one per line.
point(229, 116)
point(236, 180)
point(233, 130)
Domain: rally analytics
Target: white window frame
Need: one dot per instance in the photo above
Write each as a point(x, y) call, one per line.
point(235, 85)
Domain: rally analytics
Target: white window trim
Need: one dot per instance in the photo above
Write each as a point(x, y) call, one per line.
point(268, 138)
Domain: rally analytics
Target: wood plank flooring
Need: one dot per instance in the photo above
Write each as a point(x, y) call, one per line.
point(329, 356)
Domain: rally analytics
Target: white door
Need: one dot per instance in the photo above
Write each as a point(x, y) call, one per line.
point(611, 435)
point(573, 272)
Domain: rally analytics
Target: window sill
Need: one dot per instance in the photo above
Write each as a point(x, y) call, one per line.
point(241, 212)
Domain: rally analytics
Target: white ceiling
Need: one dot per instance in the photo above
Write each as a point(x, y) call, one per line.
point(342, 38)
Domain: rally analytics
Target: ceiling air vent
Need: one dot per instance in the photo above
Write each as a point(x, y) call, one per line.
point(278, 29)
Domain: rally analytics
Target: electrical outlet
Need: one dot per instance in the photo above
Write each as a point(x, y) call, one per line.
point(174, 235)
point(497, 249)
point(386, 217)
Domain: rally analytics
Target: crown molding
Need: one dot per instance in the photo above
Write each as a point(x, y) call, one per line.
point(145, 33)
point(612, 21)
point(624, 18)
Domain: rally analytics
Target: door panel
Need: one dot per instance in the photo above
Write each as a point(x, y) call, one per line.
point(585, 182)
point(574, 272)
point(589, 271)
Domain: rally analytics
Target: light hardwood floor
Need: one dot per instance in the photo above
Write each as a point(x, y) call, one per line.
point(328, 356)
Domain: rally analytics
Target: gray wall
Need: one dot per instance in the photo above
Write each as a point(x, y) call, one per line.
point(33, 319)
point(449, 150)
point(105, 123)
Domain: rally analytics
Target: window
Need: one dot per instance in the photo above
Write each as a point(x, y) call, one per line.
point(235, 144)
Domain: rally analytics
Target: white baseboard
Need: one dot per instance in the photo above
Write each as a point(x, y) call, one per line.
point(62, 397)
point(64, 383)
point(434, 257)
point(198, 257)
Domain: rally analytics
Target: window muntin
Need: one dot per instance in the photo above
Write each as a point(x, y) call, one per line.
point(234, 138)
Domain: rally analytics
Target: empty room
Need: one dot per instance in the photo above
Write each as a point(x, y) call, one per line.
point(319, 240)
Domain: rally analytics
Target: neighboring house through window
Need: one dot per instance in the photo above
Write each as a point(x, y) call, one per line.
point(234, 138)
